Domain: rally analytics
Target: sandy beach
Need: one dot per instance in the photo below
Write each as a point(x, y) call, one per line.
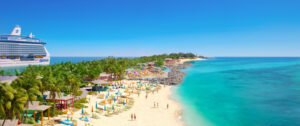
point(146, 113)
point(143, 108)
point(187, 60)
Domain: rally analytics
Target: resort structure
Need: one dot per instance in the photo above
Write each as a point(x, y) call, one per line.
point(7, 79)
point(18, 50)
point(170, 61)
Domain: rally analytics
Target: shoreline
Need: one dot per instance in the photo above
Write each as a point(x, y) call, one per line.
point(175, 76)
point(180, 111)
point(188, 60)
point(147, 114)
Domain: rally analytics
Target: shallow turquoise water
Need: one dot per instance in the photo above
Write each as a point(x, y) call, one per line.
point(241, 92)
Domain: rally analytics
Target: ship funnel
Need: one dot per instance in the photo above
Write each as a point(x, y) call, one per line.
point(16, 30)
point(31, 35)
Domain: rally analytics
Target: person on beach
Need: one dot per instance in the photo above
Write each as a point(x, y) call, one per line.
point(146, 96)
point(131, 116)
point(134, 117)
point(154, 105)
point(167, 106)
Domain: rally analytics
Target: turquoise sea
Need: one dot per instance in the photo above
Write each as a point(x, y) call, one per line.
point(241, 92)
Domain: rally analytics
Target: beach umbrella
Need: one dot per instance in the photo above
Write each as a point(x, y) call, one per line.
point(68, 112)
point(67, 122)
point(86, 119)
point(119, 93)
point(96, 105)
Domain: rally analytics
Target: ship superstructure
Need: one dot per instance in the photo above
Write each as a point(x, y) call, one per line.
point(18, 50)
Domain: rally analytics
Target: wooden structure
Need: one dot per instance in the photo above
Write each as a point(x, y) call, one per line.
point(36, 107)
point(170, 61)
point(7, 79)
point(62, 101)
point(98, 81)
point(104, 76)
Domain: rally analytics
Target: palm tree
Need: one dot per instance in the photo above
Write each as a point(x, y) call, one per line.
point(73, 83)
point(30, 85)
point(5, 96)
point(17, 104)
point(12, 102)
point(2, 72)
point(45, 81)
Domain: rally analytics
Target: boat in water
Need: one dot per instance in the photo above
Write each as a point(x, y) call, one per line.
point(18, 50)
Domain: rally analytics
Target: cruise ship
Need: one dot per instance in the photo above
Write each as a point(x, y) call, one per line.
point(18, 50)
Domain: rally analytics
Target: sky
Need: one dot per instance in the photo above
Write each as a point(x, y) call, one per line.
point(147, 27)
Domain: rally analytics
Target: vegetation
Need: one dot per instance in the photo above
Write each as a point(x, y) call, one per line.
point(92, 93)
point(12, 102)
point(159, 63)
point(2, 72)
point(64, 78)
point(80, 103)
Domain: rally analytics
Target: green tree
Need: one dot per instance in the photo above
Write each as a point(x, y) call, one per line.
point(159, 63)
point(12, 102)
point(29, 84)
point(2, 72)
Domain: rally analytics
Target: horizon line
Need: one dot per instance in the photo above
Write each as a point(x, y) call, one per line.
point(152, 55)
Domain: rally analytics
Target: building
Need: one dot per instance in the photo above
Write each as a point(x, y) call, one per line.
point(7, 79)
point(170, 61)
point(18, 50)
point(105, 76)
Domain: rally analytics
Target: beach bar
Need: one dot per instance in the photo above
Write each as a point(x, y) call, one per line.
point(170, 61)
point(104, 76)
point(35, 106)
point(62, 101)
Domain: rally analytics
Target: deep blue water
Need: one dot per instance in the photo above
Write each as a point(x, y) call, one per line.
point(54, 60)
point(241, 92)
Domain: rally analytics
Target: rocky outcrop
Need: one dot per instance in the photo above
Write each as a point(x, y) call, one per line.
point(175, 76)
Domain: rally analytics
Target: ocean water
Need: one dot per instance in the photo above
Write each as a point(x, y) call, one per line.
point(54, 60)
point(241, 92)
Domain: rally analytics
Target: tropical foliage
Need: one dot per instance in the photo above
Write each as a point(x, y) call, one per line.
point(64, 78)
